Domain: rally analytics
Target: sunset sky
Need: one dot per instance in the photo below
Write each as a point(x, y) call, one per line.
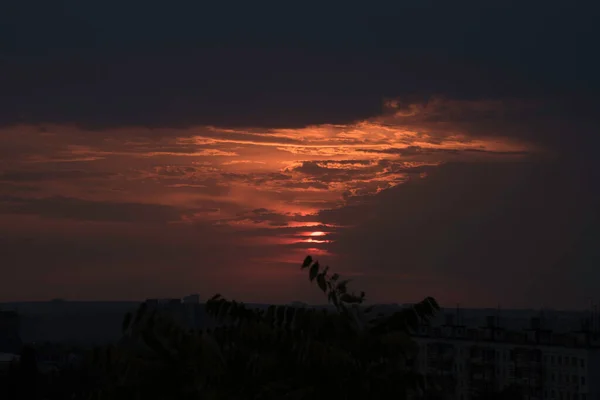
point(156, 151)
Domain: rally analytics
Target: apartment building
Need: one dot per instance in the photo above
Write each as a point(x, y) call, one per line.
point(470, 362)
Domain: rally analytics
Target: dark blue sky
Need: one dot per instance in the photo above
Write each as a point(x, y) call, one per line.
point(323, 61)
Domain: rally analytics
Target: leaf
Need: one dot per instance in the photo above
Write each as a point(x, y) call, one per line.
point(307, 261)
point(350, 298)
point(342, 286)
point(334, 299)
point(321, 282)
point(126, 321)
point(314, 270)
point(140, 312)
point(330, 296)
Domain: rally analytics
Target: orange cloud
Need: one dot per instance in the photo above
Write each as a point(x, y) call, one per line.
point(246, 184)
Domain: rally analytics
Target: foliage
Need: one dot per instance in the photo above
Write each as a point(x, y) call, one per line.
point(345, 351)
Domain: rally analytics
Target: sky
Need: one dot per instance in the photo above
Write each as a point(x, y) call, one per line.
point(429, 149)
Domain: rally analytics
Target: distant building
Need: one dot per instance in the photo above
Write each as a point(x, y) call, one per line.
point(52, 357)
point(192, 299)
point(6, 359)
point(186, 311)
point(164, 302)
point(472, 361)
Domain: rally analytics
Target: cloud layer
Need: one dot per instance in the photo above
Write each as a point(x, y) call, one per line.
point(441, 150)
point(252, 199)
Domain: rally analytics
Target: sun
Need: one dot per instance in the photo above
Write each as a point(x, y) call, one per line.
point(318, 233)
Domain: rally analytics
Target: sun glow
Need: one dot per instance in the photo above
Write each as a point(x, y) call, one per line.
point(318, 233)
point(311, 240)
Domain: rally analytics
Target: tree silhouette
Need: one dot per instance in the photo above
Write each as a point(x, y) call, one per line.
point(23, 376)
point(283, 352)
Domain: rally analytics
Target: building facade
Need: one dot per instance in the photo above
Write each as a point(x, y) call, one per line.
point(475, 362)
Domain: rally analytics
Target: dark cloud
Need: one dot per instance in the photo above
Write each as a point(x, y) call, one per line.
point(10, 187)
point(173, 67)
point(88, 210)
point(324, 173)
point(561, 125)
point(273, 218)
point(423, 151)
point(199, 185)
point(265, 215)
point(175, 171)
point(257, 178)
point(344, 162)
point(305, 185)
point(36, 176)
point(518, 234)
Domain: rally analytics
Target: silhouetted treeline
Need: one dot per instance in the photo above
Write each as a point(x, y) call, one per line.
point(284, 352)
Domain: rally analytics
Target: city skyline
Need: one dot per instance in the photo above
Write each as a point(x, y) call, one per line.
point(449, 154)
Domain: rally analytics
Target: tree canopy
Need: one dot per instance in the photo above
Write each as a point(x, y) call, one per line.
point(344, 351)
